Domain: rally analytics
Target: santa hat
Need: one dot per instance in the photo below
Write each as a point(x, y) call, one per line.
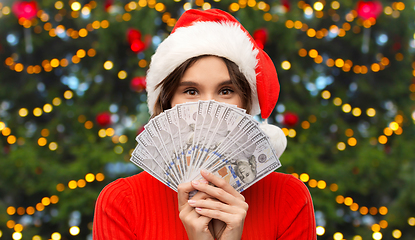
point(215, 32)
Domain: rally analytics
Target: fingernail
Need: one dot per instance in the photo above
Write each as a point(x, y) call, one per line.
point(205, 172)
point(191, 202)
point(198, 209)
point(195, 182)
point(203, 181)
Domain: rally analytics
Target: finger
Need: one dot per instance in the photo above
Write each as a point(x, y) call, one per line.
point(199, 226)
point(199, 194)
point(193, 220)
point(229, 218)
point(213, 191)
point(183, 191)
point(221, 183)
point(213, 205)
point(220, 194)
point(189, 214)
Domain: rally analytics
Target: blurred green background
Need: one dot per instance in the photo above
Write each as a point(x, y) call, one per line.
point(72, 101)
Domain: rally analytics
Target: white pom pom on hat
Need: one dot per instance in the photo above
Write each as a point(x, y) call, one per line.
point(277, 137)
point(215, 32)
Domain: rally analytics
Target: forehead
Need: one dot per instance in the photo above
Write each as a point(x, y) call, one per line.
point(209, 67)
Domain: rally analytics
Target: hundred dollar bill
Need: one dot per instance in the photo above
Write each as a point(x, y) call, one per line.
point(246, 167)
point(213, 130)
point(214, 134)
point(186, 114)
point(151, 157)
point(230, 122)
point(158, 143)
point(202, 121)
point(174, 128)
point(238, 124)
point(143, 159)
point(235, 122)
point(211, 120)
point(242, 144)
point(161, 125)
point(236, 136)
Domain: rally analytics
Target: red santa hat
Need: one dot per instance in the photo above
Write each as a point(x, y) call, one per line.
point(215, 32)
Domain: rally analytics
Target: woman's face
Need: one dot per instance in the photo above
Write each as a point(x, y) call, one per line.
point(207, 79)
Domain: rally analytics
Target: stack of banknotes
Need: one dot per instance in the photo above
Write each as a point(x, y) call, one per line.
point(220, 138)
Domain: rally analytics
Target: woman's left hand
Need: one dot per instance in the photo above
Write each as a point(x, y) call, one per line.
point(228, 213)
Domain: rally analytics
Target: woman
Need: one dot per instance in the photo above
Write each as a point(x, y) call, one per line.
point(208, 55)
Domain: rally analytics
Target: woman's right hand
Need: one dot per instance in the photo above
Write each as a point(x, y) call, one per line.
point(196, 225)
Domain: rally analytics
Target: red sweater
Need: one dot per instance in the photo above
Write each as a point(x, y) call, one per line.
point(141, 207)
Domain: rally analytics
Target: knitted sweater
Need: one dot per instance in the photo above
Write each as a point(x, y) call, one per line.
point(141, 207)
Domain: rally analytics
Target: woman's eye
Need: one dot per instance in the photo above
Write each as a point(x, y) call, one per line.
point(226, 91)
point(190, 91)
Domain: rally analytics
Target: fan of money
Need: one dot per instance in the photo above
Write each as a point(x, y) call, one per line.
point(220, 138)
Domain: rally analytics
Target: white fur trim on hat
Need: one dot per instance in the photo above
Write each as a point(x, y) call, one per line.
point(223, 39)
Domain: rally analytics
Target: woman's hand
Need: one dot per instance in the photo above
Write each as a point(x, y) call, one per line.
point(223, 204)
point(196, 225)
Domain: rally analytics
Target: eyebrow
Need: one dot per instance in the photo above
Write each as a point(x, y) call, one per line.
point(191, 83)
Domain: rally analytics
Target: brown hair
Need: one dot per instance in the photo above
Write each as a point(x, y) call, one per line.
point(170, 84)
